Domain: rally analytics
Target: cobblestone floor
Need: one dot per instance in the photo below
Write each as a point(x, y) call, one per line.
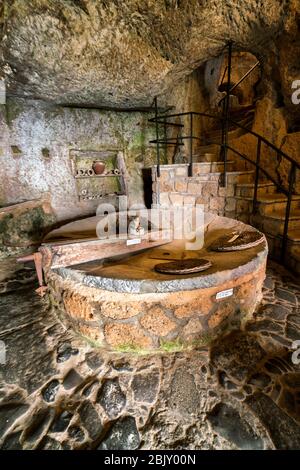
point(57, 392)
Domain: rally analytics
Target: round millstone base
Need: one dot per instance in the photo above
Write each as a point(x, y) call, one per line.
point(167, 322)
point(127, 306)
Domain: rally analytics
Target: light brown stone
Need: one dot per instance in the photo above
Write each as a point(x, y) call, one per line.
point(242, 206)
point(95, 334)
point(216, 203)
point(194, 188)
point(229, 190)
point(164, 175)
point(181, 171)
point(230, 204)
point(230, 214)
point(291, 145)
point(125, 335)
point(154, 173)
point(200, 200)
point(201, 305)
point(119, 311)
point(155, 186)
point(157, 322)
point(210, 188)
point(222, 191)
point(223, 311)
point(164, 199)
point(183, 311)
point(191, 329)
point(250, 294)
point(78, 306)
point(166, 186)
point(189, 200)
point(181, 185)
point(176, 199)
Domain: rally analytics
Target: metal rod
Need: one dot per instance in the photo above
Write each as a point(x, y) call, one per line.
point(173, 139)
point(222, 134)
point(278, 186)
point(164, 142)
point(245, 76)
point(157, 137)
point(166, 145)
point(175, 124)
point(227, 110)
point(220, 118)
point(38, 263)
point(214, 116)
point(292, 175)
point(190, 172)
point(241, 79)
point(258, 150)
point(223, 76)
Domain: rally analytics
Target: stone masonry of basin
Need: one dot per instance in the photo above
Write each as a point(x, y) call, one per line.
point(164, 321)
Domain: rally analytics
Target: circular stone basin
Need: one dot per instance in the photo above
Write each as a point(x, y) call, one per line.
point(124, 304)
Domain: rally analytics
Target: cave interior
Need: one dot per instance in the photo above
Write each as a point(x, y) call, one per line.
point(122, 125)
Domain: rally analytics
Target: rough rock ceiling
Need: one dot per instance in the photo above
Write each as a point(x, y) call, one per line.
point(116, 53)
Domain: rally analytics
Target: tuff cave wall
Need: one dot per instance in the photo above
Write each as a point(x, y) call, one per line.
point(35, 144)
point(121, 55)
point(124, 53)
point(60, 52)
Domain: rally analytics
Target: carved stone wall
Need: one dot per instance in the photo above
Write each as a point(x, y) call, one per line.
point(36, 141)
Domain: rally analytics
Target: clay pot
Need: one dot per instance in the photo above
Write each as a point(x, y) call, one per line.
point(98, 167)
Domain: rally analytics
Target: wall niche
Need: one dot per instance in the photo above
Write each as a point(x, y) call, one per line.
point(99, 173)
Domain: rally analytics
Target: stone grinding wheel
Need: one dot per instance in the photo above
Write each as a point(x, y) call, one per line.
point(238, 241)
point(186, 266)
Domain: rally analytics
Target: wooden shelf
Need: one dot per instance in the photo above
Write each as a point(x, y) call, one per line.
point(89, 198)
point(99, 186)
point(97, 176)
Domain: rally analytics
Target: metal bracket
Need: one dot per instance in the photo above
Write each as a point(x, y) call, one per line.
point(37, 259)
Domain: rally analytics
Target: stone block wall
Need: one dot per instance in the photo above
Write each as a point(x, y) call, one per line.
point(175, 188)
point(238, 208)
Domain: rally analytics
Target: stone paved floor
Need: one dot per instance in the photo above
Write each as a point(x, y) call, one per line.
point(57, 392)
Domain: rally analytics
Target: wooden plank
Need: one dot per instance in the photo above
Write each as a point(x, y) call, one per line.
point(85, 251)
